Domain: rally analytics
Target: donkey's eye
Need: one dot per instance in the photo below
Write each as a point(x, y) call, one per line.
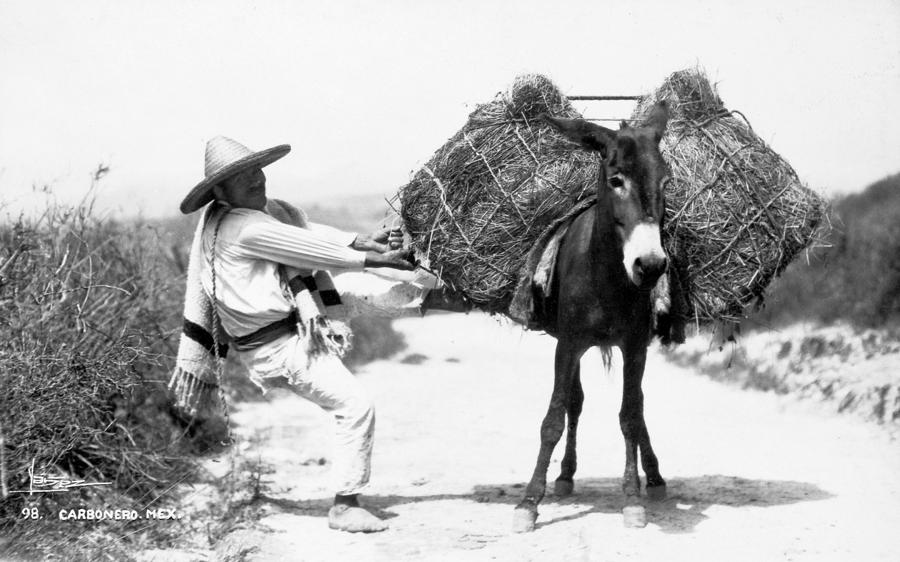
point(616, 182)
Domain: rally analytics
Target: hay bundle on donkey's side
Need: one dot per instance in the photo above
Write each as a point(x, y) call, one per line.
point(736, 211)
point(477, 207)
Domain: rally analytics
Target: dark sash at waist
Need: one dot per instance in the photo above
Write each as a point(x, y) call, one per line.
point(267, 333)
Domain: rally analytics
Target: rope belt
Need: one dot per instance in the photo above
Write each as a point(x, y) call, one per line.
point(268, 333)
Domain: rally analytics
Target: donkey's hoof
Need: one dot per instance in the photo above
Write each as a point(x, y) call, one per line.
point(523, 520)
point(656, 493)
point(563, 488)
point(635, 516)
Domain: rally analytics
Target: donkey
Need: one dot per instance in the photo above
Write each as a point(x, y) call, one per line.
point(609, 260)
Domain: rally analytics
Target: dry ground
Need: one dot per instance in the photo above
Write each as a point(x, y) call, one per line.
point(752, 476)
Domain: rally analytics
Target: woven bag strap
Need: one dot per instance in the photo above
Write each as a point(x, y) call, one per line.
point(220, 361)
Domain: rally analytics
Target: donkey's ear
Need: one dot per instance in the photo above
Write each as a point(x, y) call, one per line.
point(658, 118)
point(585, 133)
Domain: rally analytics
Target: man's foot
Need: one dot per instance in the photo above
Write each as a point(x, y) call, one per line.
point(354, 519)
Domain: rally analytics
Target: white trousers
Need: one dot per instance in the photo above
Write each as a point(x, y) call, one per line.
point(331, 386)
point(328, 383)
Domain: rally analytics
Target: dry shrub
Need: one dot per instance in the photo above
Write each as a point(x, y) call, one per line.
point(89, 310)
point(736, 212)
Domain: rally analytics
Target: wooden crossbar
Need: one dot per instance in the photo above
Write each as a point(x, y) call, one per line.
point(605, 98)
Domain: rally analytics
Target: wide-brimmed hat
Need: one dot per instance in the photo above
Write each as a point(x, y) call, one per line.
point(224, 158)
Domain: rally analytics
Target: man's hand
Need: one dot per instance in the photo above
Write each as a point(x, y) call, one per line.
point(382, 240)
point(397, 259)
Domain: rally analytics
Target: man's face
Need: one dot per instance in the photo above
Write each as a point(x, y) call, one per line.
point(246, 189)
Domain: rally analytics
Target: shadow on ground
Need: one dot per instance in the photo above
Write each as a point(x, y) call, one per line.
point(680, 512)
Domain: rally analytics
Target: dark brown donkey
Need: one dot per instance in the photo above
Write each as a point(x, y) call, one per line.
point(608, 262)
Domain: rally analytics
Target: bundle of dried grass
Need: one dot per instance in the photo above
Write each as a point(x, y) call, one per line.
point(476, 208)
point(737, 213)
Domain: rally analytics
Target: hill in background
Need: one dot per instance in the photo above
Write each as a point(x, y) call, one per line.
point(856, 278)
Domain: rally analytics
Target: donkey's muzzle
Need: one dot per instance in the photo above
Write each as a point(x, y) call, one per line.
point(646, 270)
point(643, 255)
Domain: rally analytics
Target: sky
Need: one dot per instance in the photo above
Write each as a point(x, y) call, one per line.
point(365, 92)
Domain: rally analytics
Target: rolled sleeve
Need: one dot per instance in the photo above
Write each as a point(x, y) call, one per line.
point(298, 247)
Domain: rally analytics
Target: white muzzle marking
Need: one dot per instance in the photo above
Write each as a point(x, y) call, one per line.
point(644, 242)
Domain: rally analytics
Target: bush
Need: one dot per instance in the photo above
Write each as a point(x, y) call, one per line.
point(87, 309)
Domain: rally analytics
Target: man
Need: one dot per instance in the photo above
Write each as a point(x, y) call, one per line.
point(254, 257)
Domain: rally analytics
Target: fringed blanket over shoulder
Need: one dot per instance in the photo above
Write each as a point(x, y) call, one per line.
point(195, 380)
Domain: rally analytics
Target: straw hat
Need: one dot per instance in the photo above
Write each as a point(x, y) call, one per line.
point(224, 158)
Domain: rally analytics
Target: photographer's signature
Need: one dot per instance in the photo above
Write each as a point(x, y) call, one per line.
point(46, 483)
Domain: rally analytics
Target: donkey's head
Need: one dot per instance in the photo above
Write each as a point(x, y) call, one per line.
point(631, 187)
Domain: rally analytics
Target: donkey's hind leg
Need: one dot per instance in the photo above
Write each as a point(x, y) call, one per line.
point(565, 483)
point(567, 358)
point(656, 486)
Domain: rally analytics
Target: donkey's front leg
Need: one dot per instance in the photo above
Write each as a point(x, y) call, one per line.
point(656, 486)
point(567, 358)
point(631, 420)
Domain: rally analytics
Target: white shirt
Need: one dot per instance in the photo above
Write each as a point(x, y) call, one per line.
point(249, 247)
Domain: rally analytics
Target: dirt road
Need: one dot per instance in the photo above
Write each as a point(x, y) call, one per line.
point(751, 476)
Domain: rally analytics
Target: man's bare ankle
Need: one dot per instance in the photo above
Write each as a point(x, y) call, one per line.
point(350, 500)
